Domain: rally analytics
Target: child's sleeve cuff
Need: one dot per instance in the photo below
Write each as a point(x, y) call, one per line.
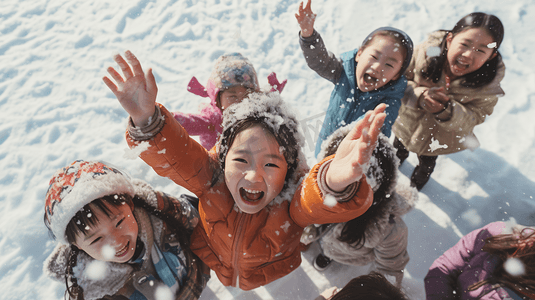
point(445, 114)
point(347, 194)
point(310, 39)
point(150, 130)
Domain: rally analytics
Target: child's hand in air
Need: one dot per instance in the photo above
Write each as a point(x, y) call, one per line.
point(355, 150)
point(305, 17)
point(136, 92)
point(434, 99)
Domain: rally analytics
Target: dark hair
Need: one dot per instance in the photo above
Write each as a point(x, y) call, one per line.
point(77, 225)
point(487, 72)
point(371, 286)
point(285, 137)
point(268, 110)
point(397, 35)
point(80, 223)
point(353, 232)
point(74, 291)
point(519, 245)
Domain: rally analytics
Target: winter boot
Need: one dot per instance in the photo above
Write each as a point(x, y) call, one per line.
point(321, 262)
point(402, 152)
point(422, 172)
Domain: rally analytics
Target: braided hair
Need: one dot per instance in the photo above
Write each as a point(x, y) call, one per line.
point(74, 291)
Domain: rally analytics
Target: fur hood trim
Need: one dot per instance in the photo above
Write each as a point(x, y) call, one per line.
point(402, 196)
point(281, 119)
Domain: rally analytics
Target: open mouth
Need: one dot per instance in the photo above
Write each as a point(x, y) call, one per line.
point(123, 251)
point(368, 79)
point(251, 196)
point(461, 65)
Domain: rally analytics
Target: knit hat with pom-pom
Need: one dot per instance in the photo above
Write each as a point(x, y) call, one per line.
point(231, 70)
point(76, 185)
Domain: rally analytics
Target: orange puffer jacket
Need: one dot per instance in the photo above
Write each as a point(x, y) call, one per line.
point(244, 250)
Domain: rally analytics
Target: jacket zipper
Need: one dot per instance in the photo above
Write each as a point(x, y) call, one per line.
point(236, 248)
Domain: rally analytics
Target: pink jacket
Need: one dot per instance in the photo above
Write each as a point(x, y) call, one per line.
point(207, 123)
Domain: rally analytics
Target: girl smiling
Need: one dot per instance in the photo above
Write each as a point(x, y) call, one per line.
point(454, 84)
point(254, 203)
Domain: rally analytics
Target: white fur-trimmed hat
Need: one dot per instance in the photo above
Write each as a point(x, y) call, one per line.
point(76, 185)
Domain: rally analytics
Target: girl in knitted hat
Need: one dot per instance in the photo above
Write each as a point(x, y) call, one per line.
point(254, 203)
point(233, 78)
point(119, 238)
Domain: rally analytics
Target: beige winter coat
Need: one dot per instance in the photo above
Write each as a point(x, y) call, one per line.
point(451, 130)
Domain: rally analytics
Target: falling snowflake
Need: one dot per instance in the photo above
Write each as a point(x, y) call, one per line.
point(514, 266)
point(108, 252)
point(96, 270)
point(329, 200)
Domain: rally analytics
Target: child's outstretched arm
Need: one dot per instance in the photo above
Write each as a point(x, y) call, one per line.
point(318, 58)
point(305, 17)
point(136, 91)
point(355, 150)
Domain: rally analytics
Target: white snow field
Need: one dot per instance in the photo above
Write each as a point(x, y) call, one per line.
point(54, 109)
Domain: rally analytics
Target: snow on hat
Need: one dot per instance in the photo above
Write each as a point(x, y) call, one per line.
point(76, 185)
point(231, 70)
point(271, 110)
point(405, 41)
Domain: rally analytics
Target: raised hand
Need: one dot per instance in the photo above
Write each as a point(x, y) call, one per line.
point(136, 91)
point(434, 99)
point(355, 150)
point(305, 17)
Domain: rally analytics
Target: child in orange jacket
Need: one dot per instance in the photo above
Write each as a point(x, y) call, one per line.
point(253, 206)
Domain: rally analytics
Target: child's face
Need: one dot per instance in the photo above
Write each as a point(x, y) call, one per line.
point(232, 95)
point(378, 63)
point(112, 238)
point(255, 169)
point(468, 51)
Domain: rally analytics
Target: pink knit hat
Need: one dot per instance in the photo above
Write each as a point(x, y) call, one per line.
point(229, 70)
point(232, 70)
point(76, 185)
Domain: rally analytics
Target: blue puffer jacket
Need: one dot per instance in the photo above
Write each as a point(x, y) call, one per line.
point(348, 103)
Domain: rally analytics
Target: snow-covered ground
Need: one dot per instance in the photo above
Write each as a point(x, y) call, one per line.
point(54, 109)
